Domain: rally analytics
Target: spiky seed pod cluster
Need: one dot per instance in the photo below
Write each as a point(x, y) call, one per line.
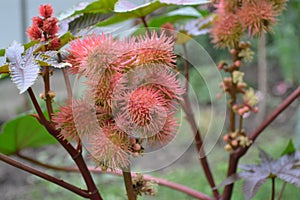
point(45, 28)
point(236, 17)
point(132, 95)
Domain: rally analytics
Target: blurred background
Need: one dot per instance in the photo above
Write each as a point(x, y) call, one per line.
point(274, 73)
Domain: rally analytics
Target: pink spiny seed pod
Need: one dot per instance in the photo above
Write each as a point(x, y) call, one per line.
point(46, 10)
point(258, 16)
point(65, 122)
point(141, 105)
point(227, 30)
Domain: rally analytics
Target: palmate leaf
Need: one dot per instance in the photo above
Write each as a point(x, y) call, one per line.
point(23, 132)
point(286, 168)
point(23, 69)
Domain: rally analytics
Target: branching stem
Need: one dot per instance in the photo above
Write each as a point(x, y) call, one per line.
point(145, 24)
point(197, 135)
point(128, 184)
point(160, 181)
point(68, 186)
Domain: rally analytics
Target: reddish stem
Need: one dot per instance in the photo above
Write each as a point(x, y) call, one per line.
point(145, 24)
point(234, 158)
point(68, 186)
point(76, 156)
point(46, 77)
point(160, 181)
point(197, 135)
point(128, 184)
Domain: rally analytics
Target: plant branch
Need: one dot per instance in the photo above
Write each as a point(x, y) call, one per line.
point(145, 24)
point(197, 135)
point(186, 69)
point(68, 186)
point(273, 188)
point(159, 181)
point(78, 159)
point(46, 77)
point(66, 78)
point(281, 190)
point(128, 184)
point(37, 107)
point(292, 97)
point(241, 124)
point(76, 156)
point(234, 158)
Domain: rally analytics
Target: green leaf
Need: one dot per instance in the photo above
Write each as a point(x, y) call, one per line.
point(2, 52)
point(289, 149)
point(66, 38)
point(23, 132)
point(87, 20)
point(3, 76)
point(125, 11)
point(173, 16)
point(100, 6)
